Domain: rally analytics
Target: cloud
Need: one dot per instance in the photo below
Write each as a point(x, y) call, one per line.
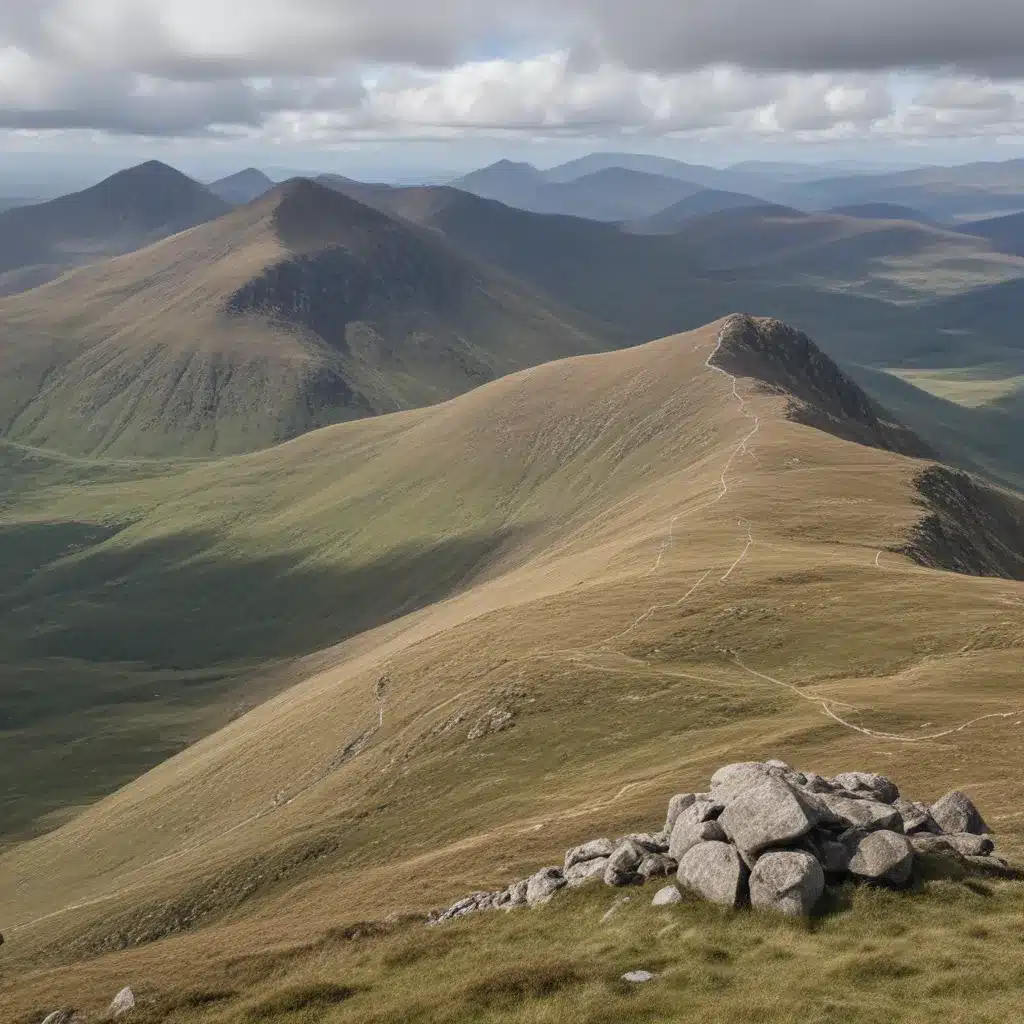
point(331, 69)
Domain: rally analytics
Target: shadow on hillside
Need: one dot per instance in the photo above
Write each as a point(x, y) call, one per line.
point(117, 658)
point(181, 603)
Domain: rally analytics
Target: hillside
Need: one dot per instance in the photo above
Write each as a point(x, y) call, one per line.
point(881, 211)
point(647, 567)
point(676, 216)
point(242, 187)
point(124, 212)
point(301, 309)
point(608, 194)
point(1005, 233)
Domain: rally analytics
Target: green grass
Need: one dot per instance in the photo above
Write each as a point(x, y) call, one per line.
point(950, 950)
point(969, 386)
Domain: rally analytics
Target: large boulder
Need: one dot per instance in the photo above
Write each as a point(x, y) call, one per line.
point(956, 812)
point(688, 834)
point(915, 816)
point(585, 871)
point(850, 812)
point(542, 886)
point(623, 864)
point(676, 806)
point(589, 851)
point(788, 881)
point(868, 784)
point(881, 857)
point(124, 1002)
point(767, 812)
point(652, 842)
point(963, 844)
point(732, 779)
point(714, 872)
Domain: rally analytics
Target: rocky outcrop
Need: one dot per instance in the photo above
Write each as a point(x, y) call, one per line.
point(820, 394)
point(968, 526)
point(771, 837)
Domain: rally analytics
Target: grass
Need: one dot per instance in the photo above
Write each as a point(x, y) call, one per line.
point(971, 387)
point(946, 951)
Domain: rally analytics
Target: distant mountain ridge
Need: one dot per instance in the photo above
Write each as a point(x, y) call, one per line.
point(301, 309)
point(242, 187)
point(124, 212)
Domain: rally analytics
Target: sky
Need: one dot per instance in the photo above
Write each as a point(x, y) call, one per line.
point(403, 89)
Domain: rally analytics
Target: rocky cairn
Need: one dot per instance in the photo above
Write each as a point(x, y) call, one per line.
point(768, 836)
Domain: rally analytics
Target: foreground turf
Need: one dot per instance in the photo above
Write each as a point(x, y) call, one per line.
point(950, 950)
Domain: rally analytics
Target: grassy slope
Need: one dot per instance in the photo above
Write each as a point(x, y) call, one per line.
point(627, 650)
point(302, 309)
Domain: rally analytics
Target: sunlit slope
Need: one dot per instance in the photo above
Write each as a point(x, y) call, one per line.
point(680, 575)
point(301, 309)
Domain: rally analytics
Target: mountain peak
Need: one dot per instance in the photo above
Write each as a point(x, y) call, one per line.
point(820, 395)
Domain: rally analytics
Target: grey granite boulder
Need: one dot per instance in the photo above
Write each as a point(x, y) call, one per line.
point(541, 887)
point(517, 893)
point(687, 834)
point(585, 871)
point(867, 783)
point(657, 865)
point(963, 844)
point(623, 864)
point(667, 896)
point(124, 1002)
point(652, 842)
point(732, 779)
point(589, 851)
point(956, 812)
point(881, 857)
point(714, 872)
point(853, 813)
point(915, 816)
point(788, 881)
point(767, 812)
point(676, 806)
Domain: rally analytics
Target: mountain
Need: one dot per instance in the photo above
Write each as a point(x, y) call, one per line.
point(303, 308)
point(123, 212)
point(242, 187)
point(1005, 233)
point(700, 204)
point(609, 194)
point(575, 591)
point(946, 194)
point(882, 211)
point(699, 175)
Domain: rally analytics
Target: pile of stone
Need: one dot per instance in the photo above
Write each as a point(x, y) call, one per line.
point(771, 836)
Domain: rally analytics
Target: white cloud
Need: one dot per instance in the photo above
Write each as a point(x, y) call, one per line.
point(322, 70)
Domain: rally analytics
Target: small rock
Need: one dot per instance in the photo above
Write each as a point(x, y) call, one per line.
point(768, 812)
point(879, 786)
point(815, 783)
point(638, 977)
point(652, 842)
point(124, 1002)
point(657, 865)
point(667, 896)
point(517, 893)
point(788, 881)
point(688, 834)
point(956, 813)
point(994, 866)
point(580, 874)
point(542, 886)
point(589, 851)
point(715, 872)
point(968, 845)
point(676, 806)
point(882, 857)
point(58, 1017)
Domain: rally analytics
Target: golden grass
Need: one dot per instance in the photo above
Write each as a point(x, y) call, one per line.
point(636, 659)
point(969, 387)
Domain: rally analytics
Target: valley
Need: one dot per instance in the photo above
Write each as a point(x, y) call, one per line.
point(366, 545)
